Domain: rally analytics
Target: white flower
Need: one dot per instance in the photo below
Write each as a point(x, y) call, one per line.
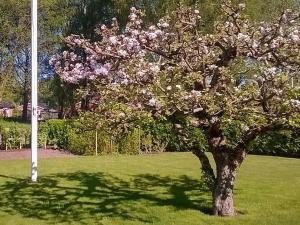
point(277, 92)
point(78, 41)
point(254, 44)
point(205, 50)
point(198, 110)
point(155, 69)
point(295, 37)
point(271, 70)
point(125, 81)
point(65, 54)
point(165, 25)
point(261, 30)
point(152, 102)
point(158, 32)
point(212, 67)
point(242, 6)
point(140, 73)
point(113, 40)
point(284, 18)
point(101, 71)
point(178, 126)
point(243, 37)
point(170, 68)
point(295, 103)
point(132, 16)
point(135, 32)
point(152, 28)
point(196, 93)
point(178, 86)
point(143, 40)
point(122, 53)
point(152, 35)
point(78, 66)
point(169, 88)
point(196, 11)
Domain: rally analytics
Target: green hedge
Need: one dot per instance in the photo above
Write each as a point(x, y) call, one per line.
point(14, 135)
point(76, 138)
point(278, 143)
point(147, 137)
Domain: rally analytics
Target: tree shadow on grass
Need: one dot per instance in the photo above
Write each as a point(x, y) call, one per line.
point(83, 197)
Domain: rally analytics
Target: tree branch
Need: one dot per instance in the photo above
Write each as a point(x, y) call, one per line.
point(208, 173)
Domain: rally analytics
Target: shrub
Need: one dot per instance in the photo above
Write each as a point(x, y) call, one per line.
point(14, 135)
point(278, 143)
point(149, 137)
point(58, 133)
point(81, 143)
point(130, 143)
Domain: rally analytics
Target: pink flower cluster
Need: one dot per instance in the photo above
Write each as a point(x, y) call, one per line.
point(177, 67)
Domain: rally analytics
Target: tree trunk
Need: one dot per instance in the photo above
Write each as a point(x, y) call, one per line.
point(227, 164)
point(25, 105)
point(61, 103)
point(26, 87)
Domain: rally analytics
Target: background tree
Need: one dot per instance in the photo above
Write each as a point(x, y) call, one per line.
point(235, 79)
point(15, 33)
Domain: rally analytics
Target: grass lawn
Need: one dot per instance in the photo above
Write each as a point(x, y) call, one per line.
point(151, 189)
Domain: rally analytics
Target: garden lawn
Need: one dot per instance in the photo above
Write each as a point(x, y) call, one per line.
point(159, 189)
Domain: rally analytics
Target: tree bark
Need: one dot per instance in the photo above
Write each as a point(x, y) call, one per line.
point(227, 164)
point(25, 105)
point(61, 104)
point(26, 87)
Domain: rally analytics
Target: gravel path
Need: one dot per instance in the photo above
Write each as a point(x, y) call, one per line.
point(26, 154)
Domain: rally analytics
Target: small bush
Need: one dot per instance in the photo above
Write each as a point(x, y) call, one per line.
point(14, 135)
point(278, 143)
point(82, 143)
point(58, 133)
point(130, 143)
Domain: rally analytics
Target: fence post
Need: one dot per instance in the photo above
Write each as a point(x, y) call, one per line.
point(111, 145)
point(96, 142)
point(45, 143)
point(139, 137)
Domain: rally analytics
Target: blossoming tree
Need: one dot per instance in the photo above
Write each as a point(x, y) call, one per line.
point(240, 73)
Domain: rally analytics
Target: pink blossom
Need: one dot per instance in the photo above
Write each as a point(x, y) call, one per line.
point(113, 40)
point(122, 53)
point(152, 102)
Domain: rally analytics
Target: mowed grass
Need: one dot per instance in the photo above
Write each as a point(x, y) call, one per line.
point(160, 189)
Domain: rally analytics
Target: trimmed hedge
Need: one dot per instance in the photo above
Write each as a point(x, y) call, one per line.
point(14, 135)
point(280, 143)
point(148, 137)
point(74, 136)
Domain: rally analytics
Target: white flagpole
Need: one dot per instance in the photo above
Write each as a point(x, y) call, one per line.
point(34, 101)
